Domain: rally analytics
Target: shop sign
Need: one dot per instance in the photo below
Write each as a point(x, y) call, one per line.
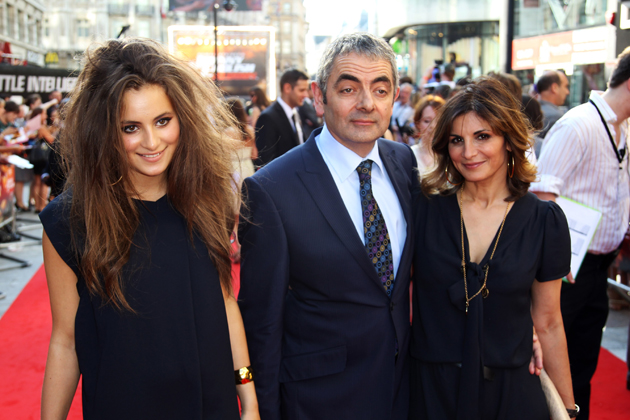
point(583, 46)
point(624, 16)
point(23, 80)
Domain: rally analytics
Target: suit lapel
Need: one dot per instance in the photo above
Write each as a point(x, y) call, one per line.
point(286, 124)
point(321, 186)
point(400, 183)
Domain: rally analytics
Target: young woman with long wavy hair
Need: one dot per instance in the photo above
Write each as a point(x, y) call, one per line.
point(137, 249)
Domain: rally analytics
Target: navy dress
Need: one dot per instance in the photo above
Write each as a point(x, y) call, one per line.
point(172, 358)
point(475, 365)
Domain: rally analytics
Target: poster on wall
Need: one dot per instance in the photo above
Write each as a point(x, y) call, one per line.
point(244, 55)
point(204, 5)
point(23, 81)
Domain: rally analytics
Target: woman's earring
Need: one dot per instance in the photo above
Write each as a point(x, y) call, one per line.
point(512, 170)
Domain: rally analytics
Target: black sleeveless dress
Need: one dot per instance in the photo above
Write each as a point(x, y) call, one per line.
point(172, 358)
point(475, 366)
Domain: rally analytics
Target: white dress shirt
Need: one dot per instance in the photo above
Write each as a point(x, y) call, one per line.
point(577, 161)
point(291, 114)
point(342, 163)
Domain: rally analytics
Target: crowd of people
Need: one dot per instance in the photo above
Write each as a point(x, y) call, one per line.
point(335, 198)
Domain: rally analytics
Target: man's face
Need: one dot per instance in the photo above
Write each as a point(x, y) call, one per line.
point(405, 95)
point(360, 96)
point(11, 116)
point(563, 89)
point(295, 96)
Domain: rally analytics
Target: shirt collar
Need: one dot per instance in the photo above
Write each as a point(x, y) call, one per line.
point(287, 109)
point(343, 161)
point(602, 105)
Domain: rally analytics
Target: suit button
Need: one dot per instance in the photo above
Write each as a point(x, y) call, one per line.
point(391, 306)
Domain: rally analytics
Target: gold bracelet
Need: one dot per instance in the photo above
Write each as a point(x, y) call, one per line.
point(244, 375)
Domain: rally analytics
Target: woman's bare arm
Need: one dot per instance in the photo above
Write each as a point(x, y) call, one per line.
point(62, 366)
point(550, 329)
point(240, 357)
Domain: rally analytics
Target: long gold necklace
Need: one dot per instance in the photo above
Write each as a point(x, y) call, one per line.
point(484, 289)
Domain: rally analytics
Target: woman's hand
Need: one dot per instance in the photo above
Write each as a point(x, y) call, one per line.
point(536, 363)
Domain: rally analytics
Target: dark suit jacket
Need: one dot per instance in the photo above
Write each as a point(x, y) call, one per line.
point(320, 328)
point(274, 134)
point(308, 115)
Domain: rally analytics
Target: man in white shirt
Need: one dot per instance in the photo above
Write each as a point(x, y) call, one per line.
point(278, 128)
point(584, 158)
point(326, 252)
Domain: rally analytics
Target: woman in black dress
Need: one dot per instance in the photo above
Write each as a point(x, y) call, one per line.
point(137, 249)
point(472, 328)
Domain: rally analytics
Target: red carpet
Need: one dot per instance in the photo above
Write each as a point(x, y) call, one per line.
point(25, 331)
point(610, 400)
point(24, 335)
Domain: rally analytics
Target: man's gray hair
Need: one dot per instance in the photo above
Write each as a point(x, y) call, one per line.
point(359, 43)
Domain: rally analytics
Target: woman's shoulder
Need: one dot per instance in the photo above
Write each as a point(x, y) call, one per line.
point(546, 214)
point(57, 212)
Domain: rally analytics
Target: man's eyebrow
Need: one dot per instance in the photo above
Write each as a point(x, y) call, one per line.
point(380, 79)
point(345, 76)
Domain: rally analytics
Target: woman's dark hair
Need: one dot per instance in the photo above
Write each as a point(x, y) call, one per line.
point(261, 100)
point(533, 112)
point(490, 101)
point(103, 214)
point(236, 106)
point(31, 99)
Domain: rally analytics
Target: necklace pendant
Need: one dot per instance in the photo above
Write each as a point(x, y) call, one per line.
point(467, 305)
point(485, 292)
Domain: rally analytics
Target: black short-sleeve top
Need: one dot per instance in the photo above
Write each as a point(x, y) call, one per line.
point(534, 245)
point(171, 359)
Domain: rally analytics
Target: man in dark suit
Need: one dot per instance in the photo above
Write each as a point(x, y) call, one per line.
point(278, 129)
point(326, 252)
point(308, 115)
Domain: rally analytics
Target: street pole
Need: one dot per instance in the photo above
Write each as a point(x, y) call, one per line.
point(510, 35)
point(216, 44)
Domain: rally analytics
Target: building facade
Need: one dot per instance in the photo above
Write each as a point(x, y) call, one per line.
point(576, 36)
point(426, 33)
point(288, 17)
point(21, 31)
point(70, 26)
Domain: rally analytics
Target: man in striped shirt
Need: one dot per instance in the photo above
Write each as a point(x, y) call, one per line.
point(584, 158)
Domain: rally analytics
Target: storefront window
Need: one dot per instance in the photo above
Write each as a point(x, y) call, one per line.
point(471, 47)
point(535, 17)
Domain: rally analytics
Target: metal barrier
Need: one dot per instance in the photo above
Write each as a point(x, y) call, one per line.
point(623, 290)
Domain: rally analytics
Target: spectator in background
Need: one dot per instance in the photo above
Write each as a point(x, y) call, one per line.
point(584, 159)
point(308, 115)
point(259, 102)
point(423, 118)
point(402, 111)
point(242, 163)
point(553, 89)
point(7, 125)
point(278, 129)
point(448, 75)
point(443, 91)
point(510, 81)
point(531, 109)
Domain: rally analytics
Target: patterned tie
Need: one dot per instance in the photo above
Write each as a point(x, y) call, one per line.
point(377, 242)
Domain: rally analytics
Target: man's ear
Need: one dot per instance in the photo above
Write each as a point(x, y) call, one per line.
point(286, 88)
point(318, 98)
point(555, 88)
point(397, 93)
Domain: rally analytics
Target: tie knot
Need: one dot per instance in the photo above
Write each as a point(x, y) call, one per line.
point(365, 168)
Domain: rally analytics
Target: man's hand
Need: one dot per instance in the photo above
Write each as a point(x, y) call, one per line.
point(570, 278)
point(536, 363)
